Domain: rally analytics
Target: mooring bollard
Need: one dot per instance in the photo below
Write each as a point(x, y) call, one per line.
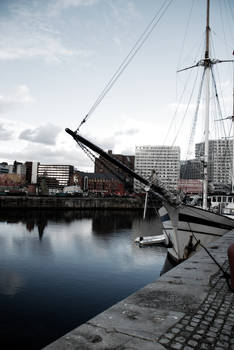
point(231, 263)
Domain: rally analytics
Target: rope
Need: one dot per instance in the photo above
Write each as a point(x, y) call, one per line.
point(136, 47)
point(92, 157)
point(226, 275)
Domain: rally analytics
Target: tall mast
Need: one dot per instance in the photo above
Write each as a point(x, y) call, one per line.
point(233, 132)
point(207, 67)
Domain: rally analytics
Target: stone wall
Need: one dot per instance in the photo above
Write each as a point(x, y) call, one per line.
point(69, 203)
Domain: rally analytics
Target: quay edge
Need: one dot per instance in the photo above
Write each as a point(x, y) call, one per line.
point(53, 202)
point(189, 307)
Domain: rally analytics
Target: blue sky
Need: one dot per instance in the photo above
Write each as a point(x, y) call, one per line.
point(56, 56)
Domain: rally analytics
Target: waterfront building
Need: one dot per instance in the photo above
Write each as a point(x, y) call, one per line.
point(4, 169)
point(99, 183)
point(191, 186)
point(102, 166)
point(31, 172)
point(17, 168)
point(62, 174)
point(165, 160)
point(220, 159)
point(191, 169)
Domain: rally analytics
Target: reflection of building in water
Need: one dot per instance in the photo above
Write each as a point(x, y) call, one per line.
point(106, 222)
point(150, 226)
point(10, 282)
point(30, 225)
point(41, 227)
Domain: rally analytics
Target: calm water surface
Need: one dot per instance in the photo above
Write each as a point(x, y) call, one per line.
point(59, 269)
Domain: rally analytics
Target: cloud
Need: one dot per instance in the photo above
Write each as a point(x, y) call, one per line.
point(4, 133)
point(60, 5)
point(19, 98)
point(49, 155)
point(128, 132)
point(28, 33)
point(37, 45)
point(45, 134)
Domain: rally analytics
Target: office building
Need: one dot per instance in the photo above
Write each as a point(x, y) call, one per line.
point(191, 169)
point(165, 160)
point(62, 173)
point(220, 159)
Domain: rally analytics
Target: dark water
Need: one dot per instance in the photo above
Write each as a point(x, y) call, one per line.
point(59, 269)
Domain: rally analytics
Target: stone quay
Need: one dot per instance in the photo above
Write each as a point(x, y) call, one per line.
point(188, 308)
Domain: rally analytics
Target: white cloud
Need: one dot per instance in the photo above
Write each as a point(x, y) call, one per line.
point(17, 99)
point(37, 45)
point(4, 133)
point(28, 32)
point(45, 134)
point(59, 5)
point(52, 51)
point(127, 132)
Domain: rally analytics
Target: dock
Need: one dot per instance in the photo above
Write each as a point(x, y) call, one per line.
point(69, 203)
point(188, 308)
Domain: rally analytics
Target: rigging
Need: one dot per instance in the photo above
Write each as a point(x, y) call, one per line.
point(136, 47)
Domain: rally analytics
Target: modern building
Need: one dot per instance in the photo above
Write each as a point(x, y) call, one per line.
point(63, 174)
point(102, 166)
point(191, 169)
point(220, 159)
point(4, 169)
point(165, 160)
point(31, 172)
point(17, 168)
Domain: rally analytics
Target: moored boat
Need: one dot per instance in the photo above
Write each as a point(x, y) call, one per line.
point(186, 227)
point(152, 240)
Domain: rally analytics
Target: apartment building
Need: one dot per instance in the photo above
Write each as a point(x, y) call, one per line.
point(220, 159)
point(165, 160)
point(191, 169)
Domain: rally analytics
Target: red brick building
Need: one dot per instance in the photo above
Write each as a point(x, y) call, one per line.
point(100, 183)
point(190, 186)
point(102, 166)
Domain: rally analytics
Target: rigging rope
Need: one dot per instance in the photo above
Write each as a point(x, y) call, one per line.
point(92, 157)
point(136, 47)
point(186, 111)
point(194, 123)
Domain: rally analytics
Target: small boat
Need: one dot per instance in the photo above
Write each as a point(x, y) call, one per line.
point(151, 240)
point(228, 210)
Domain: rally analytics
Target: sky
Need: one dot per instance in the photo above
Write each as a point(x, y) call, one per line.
point(56, 57)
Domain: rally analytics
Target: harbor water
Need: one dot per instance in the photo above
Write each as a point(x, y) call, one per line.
point(58, 269)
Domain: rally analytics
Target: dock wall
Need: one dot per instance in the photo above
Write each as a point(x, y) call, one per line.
point(38, 202)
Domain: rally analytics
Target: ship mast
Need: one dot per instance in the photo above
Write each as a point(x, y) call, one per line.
point(233, 133)
point(207, 67)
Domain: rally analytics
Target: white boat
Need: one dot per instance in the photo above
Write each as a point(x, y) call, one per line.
point(228, 210)
point(152, 240)
point(185, 226)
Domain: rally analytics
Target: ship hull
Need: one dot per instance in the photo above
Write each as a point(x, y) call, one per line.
point(187, 226)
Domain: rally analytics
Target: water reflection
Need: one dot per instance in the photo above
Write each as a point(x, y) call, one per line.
point(10, 282)
point(60, 268)
point(104, 222)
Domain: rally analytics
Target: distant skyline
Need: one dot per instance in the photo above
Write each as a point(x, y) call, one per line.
point(56, 56)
